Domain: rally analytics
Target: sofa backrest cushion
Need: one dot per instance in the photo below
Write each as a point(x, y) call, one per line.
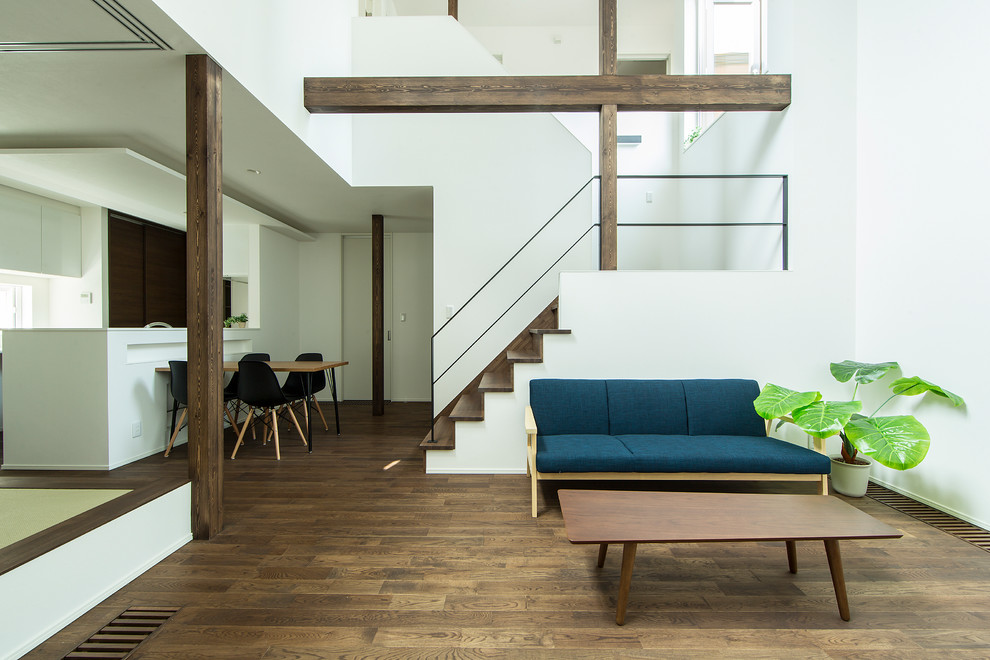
point(565, 406)
point(638, 407)
point(722, 407)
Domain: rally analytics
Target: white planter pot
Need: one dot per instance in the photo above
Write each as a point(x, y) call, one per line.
point(849, 479)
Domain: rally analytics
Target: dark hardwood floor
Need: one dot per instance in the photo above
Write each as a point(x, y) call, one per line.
point(331, 555)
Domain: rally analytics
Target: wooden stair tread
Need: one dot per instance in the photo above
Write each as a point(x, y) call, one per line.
point(443, 430)
point(469, 408)
point(522, 356)
point(495, 381)
point(549, 331)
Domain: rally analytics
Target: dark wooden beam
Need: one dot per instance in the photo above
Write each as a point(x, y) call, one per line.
point(452, 8)
point(204, 302)
point(464, 94)
point(377, 315)
point(608, 135)
point(608, 41)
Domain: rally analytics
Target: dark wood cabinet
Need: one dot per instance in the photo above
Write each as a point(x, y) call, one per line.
point(147, 273)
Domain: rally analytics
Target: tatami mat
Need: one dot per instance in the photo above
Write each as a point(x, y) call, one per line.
point(27, 511)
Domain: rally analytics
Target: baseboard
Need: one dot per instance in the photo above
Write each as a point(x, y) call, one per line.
point(479, 471)
point(15, 466)
point(935, 505)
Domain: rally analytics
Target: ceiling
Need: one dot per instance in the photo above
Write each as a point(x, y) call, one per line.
point(93, 111)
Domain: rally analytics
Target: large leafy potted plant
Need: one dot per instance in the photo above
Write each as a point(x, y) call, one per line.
point(899, 442)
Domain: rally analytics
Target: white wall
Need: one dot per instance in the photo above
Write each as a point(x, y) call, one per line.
point(530, 51)
point(278, 277)
point(783, 327)
point(923, 228)
point(269, 46)
point(320, 301)
point(68, 309)
point(496, 178)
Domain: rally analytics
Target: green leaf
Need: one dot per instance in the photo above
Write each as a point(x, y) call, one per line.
point(863, 372)
point(776, 401)
point(823, 419)
point(899, 442)
point(913, 386)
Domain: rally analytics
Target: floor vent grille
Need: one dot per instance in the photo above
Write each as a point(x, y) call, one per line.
point(938, 519)
point(120, 637)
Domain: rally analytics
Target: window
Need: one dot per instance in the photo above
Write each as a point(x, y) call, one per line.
point(15, 306)
point(722, 36)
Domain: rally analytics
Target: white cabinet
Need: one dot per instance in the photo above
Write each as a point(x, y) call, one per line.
point(61, 248)
point(20, 234)
point(38, 235)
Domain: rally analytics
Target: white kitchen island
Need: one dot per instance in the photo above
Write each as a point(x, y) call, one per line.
point(89, 399)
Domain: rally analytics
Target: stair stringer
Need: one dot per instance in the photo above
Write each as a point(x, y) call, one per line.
point(497, 445)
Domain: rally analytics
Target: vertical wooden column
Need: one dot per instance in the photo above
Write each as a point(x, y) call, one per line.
point(204, 300)
point(608, 136)
point(377, 315)
point(452, 8)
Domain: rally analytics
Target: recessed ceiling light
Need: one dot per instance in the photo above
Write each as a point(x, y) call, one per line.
point(251, 171)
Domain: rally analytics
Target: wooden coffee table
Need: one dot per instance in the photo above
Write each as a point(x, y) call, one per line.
point(631, 518)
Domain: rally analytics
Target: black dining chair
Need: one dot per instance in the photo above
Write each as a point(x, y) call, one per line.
point(178, 371)
point(230, 390)
point(295, 386)
point(258, 388)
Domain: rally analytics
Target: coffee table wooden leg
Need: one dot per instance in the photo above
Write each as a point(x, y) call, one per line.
point(602, 549)
point(628, 557)
point(791, 556)
point(838, 579)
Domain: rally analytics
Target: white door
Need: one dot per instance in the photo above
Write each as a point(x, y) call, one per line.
point(356, 320)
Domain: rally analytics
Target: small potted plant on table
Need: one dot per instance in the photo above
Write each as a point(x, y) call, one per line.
point(899, 442)
point(240, 321)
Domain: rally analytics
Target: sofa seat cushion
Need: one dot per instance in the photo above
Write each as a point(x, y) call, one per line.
point(676, 453)
point(722, 453)
point(582, 453)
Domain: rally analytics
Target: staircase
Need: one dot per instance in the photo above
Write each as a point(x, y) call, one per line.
point(469, 405)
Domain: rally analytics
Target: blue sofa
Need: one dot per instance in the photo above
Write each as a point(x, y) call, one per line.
point(659, 429)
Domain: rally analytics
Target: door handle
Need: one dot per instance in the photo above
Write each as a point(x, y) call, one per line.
point(389, 338)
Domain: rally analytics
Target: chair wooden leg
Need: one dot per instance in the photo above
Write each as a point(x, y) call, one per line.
point(296, 422)
point(233, 422)
point(278, 454)
point(240, 436)
point(176, 431)
point(320, 410)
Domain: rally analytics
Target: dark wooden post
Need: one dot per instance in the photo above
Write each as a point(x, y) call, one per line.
point(452, 8)
point(204, 301)
point(377, 315)
point(608, 137)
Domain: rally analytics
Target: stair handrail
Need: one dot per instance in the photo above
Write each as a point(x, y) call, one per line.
point(512, 258)
point(784, 224)
point(435, 379)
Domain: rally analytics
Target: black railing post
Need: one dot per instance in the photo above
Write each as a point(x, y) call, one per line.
point(783, 220)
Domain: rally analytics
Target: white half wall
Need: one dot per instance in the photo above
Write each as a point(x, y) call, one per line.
point(923, 228)
point(655, 325)
point(46, 594)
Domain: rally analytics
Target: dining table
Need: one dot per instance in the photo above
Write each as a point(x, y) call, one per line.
point(306, 367)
